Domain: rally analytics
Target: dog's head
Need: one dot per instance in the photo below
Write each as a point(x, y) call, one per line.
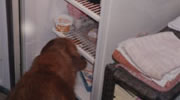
point(68, 47)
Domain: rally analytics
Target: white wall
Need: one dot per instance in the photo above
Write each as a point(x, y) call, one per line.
point(128, 18)
point(38, 21)
point(4, 64)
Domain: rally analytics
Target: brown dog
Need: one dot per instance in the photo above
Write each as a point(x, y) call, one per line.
point(52, 75)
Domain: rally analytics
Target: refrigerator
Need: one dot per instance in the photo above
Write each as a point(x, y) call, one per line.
point(116, 20)
point(4, 54)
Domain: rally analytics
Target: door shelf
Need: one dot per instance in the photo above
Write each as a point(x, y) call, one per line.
point(92, 10)
point(85, 47)
point(81, 92)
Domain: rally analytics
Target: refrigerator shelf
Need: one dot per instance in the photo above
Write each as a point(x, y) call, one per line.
point(85, 47)
point(92, 10)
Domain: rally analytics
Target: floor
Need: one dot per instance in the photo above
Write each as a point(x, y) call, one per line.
point(2, 96)
point(3, 93)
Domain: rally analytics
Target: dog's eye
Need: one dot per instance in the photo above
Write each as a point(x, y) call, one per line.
point(82, 57)
point(74, 57)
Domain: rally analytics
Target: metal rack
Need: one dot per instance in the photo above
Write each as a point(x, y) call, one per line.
point(92, 10)
point(84, 46)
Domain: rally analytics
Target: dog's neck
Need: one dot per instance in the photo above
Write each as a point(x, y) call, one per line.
point(57, 65)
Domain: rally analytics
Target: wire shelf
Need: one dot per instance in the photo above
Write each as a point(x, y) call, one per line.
point(91, 9)
point(84, 46)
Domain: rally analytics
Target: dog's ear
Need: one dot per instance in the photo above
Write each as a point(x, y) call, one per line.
point(71, 48)
point(66, 46)
point(78, 61)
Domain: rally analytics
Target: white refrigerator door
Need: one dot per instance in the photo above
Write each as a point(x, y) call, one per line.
point(4, 60)
point(37, 20)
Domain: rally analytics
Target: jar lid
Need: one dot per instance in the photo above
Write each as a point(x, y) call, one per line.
point(64, 20)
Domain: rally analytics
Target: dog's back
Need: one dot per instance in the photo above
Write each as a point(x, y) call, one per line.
point(52, 75)
point(42, 86)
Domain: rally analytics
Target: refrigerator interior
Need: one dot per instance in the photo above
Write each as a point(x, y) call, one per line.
point(38, 29)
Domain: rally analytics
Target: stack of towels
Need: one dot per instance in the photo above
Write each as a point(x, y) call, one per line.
point(156, 57)
point(175, 24)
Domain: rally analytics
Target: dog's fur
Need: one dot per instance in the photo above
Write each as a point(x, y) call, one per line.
point(52, 75)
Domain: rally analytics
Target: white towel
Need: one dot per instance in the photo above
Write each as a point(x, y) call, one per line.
point(156, 54)
point(175, 24)
point(166, 78)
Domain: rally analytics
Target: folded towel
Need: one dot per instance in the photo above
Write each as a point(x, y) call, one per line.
point(165, 79)
point(175, 24)
point(155, 55)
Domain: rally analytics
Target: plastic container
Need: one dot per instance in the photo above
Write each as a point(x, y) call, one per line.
point(63, 23)
point(92, 35)
point(74, 12)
